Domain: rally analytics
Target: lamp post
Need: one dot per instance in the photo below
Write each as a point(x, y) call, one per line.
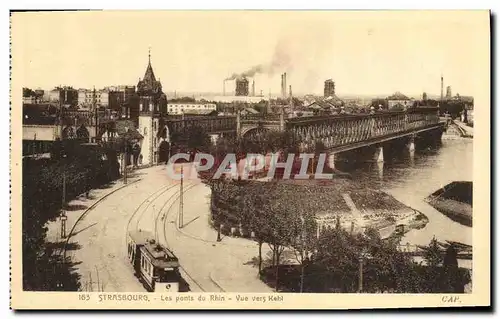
point(63, 216)
point(362, 256)
point(125, 161)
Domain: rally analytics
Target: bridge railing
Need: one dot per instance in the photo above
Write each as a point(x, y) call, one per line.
point(339, 130)
point(213, 124)
point(260, 118)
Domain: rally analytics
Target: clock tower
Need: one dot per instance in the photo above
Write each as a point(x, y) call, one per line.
point(152, 103)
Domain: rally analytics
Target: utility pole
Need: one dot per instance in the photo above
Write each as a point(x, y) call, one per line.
point(181, 201)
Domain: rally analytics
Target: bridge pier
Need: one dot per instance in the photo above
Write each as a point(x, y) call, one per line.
point(331, 160)
point(428, 139)
point(378, 155)
point(411, 145)
point(380, 169)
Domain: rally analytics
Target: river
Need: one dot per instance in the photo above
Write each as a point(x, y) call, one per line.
point(410, 180)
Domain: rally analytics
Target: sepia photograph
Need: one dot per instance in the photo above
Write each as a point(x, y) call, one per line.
point(249, 159)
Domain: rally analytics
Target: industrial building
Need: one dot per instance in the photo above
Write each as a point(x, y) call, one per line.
point(241, 87)
point(329, 89)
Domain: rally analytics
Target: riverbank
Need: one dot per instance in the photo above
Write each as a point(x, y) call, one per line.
point(454, 201)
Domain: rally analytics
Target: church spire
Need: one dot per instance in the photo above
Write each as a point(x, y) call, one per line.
point(149, 76)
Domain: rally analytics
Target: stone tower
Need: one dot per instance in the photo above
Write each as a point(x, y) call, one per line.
point(152, 103)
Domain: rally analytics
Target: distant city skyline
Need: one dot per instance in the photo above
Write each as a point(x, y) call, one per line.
point(363, 52)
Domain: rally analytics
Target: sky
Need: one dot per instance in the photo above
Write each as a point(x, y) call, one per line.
point(364, 52)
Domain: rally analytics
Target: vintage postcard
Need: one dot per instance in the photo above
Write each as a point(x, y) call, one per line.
point(250, 159)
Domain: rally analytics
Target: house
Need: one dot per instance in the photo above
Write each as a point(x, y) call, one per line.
point(399, 99)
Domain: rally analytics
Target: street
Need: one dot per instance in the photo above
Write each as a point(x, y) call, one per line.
point(152, 204)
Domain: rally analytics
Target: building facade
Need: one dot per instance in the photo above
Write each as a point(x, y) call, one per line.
point(86, 98)
point(122, 99)
point(398, 99)
point(177, 108)
point(64, 95)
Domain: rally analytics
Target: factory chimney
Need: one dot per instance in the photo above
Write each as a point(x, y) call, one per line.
point(284, 85)
point(224, 88)
point(290, 91)
point(281, 84)
point(441, 87)
point(253, 88)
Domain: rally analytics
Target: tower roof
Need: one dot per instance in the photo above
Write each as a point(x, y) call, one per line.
point(149, 75)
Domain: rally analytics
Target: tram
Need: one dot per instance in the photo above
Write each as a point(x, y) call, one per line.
point(155, 265)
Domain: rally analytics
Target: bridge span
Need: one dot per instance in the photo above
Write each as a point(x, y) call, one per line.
point(336, 133)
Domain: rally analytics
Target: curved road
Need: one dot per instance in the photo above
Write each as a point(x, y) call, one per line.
point(152, 204)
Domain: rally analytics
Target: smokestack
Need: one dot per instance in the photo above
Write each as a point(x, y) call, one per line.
point(253, 88)
point(290, 91)
point(281, 84)
point(224, 88)
point(442, 87)
point(284, 85)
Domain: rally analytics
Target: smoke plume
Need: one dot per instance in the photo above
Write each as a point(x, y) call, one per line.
point(280, 60)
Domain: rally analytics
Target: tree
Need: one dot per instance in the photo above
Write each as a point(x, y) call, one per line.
point(225, 203)
point(303, 240)
point(27, 92)
point(432, 253)
point(254, 214)
point(83, 168)
point(450, 257)
point(195, 138)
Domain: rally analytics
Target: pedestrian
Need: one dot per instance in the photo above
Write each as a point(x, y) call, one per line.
point(140, 159)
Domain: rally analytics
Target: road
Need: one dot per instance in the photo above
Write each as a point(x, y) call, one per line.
point(152, 204)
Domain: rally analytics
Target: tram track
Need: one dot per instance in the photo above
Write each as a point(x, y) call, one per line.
point(149, 200)
point(62, 251)
point(164, 224)
point(140, 212)
point(167, 213)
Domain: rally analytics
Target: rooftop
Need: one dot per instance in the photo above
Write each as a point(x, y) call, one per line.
point(161, 257)
point(398, 96)
point(149, 84)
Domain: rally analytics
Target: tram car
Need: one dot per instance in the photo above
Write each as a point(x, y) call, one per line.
point(155, 265)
